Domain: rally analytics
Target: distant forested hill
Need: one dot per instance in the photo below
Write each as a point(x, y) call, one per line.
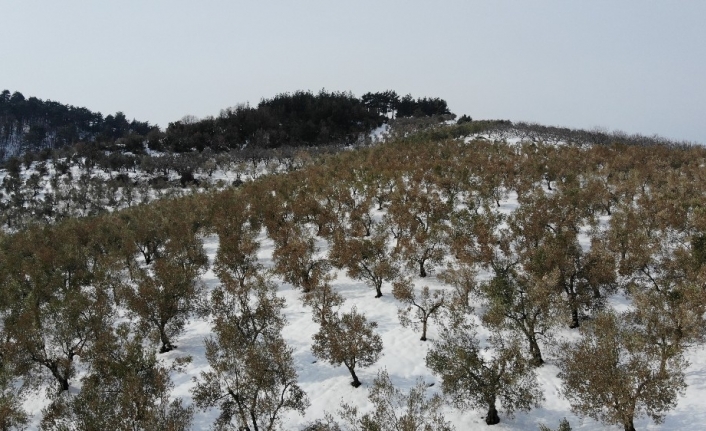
point(297, 119)
point(302, 118)
point(32, 124)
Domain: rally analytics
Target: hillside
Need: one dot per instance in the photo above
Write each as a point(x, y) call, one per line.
point(501, 222)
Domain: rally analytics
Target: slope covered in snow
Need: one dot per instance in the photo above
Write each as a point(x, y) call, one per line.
point(403, 355)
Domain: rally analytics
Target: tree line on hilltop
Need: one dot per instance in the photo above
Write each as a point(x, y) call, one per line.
point(294, 119)
point(31, 124)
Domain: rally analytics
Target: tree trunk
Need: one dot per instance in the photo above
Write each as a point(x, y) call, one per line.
point(424, 329)
point(378, 290)
point(629, 426)
point(422, 271)
point(537, 359)
point(574, 317)
point(166, 344)
point(63, 381)
point(492, 417)
point(64, 384)
point(355, 383)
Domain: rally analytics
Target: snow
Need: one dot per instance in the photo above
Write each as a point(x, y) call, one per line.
point(380, 133)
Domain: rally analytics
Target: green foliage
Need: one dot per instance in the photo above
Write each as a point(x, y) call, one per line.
point(381, 102)
point(48, 124)
point(464, 119)
point(409, 107)
point(296, 119)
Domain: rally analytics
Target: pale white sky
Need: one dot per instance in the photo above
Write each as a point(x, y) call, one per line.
point(638, 66)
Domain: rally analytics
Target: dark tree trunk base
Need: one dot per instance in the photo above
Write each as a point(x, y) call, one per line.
point(63, 385)
point(167, 348)
point(574, 316)
point(492, 417)
point(537, 360)
point(355, 383)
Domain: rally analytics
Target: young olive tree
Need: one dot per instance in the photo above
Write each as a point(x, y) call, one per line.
point(297, 259)
point(417, 307)
point(323, 300)
point(349, 340)
point(366, 258)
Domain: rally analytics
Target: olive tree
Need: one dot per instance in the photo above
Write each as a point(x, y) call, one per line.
point(126, 389)
point(252, 377)
point(349, 340)
point(163, 293)
point(615, 374)
point(366, 258)
point(417, 308)
point(474, 377)
point(395, 410)
point(57, 302)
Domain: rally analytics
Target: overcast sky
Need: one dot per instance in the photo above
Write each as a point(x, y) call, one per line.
point(636, 66)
